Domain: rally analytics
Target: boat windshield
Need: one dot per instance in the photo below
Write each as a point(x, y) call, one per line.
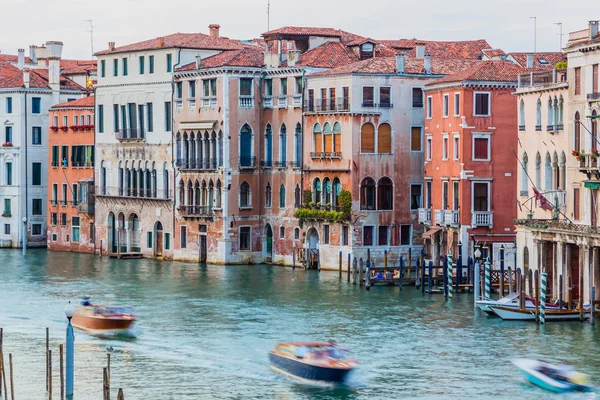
point(335, 353)
point(115, 310)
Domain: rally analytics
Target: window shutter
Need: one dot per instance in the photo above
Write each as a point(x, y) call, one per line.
point(481, 148)
point(328, 142)
point(367, 138)
point(384, 142)
point(415, 141)
point(576, 204)
point(318, 142)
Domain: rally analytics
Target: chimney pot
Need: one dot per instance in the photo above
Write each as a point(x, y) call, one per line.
point(427, 64)
point(198, 62)
point(593, 29)
point(21, 58)
point(529, 60)
point(214, 30)
point(160, 41)
point(26, 77)
point(400, 63)
point(111, 46)
point(32, 54)
point(420, 51)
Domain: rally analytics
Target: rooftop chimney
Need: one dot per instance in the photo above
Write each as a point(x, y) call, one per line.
point(198, 61)
point(593, 29)
point(420, 51)
point(41, 54)
point(293, 57)
point(400, 63)
point(160, 41)
point(32, 54)
point(214, 30)
point(427, 64)
point(529, 60)
point(21, 58)
point(26, 77)
point(54, 53)
point(111, 46)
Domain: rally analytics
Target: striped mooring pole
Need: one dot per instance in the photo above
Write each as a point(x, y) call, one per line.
point(450, 275)
point(543, 299)
point(488, 279)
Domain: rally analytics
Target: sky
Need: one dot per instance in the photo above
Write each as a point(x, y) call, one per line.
point(505, 24)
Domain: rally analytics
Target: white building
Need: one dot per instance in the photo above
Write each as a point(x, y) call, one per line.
point(26, 94)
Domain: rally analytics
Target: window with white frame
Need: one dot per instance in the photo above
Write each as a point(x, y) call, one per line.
point(428, 148)
point(428, 193)
point(325, 234)
point(482, 104)
point(456, 147)
point(456, 104)
point(445, 105)
point(368, 235)
point(481, 196)
point(245, 238)
point(445, 189)
point(445, 147)
point(455, 195)
point(481, 147)
point(281, 232)
point(429, 105)
point(405, 235)
point(416, 191)
point(75, 227)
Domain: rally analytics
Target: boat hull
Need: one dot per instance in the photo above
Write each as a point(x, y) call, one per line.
point(510, 314)
point(528, 369)
point(101, 325)
point(307, 372)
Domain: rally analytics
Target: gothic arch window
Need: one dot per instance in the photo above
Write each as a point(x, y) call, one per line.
point(268, 196)
point(367, 138)
point(384, 138)
point(282, 196)
point(245, 196)
point(367, 194)
point(385, 194)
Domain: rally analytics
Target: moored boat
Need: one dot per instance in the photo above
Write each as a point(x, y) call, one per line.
point(312, 361)
point(100, 319)
point(510, 301)
point(556, 378)
point(516, 314)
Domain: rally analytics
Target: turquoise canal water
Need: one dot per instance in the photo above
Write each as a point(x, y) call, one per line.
point(204, 333)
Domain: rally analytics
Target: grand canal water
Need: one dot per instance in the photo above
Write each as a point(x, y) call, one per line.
point(204, 333)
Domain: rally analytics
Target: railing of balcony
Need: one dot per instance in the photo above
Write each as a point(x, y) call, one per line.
point(209, 101)
point(521, 127)
point(593, 96)
point(116, 191)
point(280, 164)
point(295, 164)
point(538, 128)
point(327, 105)
point(482, 218)
point(129, 134)
point(439, 217)
point(246, 101)
point(588, 162)
point(196, 164)
point(544, 78)
point(297, 100)
point(268, 102)
point(82, 164)
point(549, 128)
point(326, 155)
point(53, 202)
point(282, 101)
point(266, 163)
point(425, 216)
point(451, 217)
point(195, 211)
point(247, 162)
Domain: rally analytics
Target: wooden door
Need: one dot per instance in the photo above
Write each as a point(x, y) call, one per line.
point(203, 249)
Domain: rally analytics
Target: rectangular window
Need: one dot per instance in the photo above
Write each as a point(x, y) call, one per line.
point(65, 121)
point(75, 229)
point(115, 67)
point(444, 147)
point(65, 156)
point(36, 206)
point(178, 90)
point(36, 174)
point(9, 173)
point(283, 86)
point(417, 97)
point(383, 235)
point(167, 237)
point(142, 60)
point(445, 105)
point(268, 87)
point(8, 134)
point(367, 99)
point(429, 107)
point(428, 148)
point(445, 189)
point(298, 85)
point(368, 236)
point(55, 120)
point(75, 120)
point(405, 235)
point(7, 229)
point(577, 81)
point(183, 241)
point(576, 205)
point(481, 148)
point(345, 235)
point(455, 195)
point(245, 232)
point(480, 196)
point(54, 237)
point(36, 229)
point(54, 218)
point(63, 219)
point(75, 194)
point(103, 68)
point(346, 98)
point(456, 148)
point(595, 78)
point(416, 191)
point(64, 194)
point(151, 64)
point(482, 104)
point(9, 108)
point(169, 62)
point(416, 139)
point(428, 194)
point(124, 74)
point(149, 240)
point(456, 104)
point(192, 89)
point(54, 193)
point(36, 105)
point(245, 87)
point(116, 117)
point(385, 97)
point(325, 234)
point(7, 207)
point(150, 116)
point(100, 118)
point(168, 120)
point(36, 135)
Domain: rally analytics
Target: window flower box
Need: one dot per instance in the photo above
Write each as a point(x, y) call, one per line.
point(5, 214)
point(54, 128)
point(64, 128)
point(7, 144)
point(74, 128)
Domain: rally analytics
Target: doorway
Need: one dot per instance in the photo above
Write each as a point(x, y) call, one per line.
point(268, 243)
point(158, 234)
point(312, 259)
point(203, 249)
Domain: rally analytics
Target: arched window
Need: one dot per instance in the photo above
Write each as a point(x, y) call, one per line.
point(327, 191)
point(213, 151)
point(524, 179)
point(328, 138)
point(385, 194)
point(181, 193)
point(550, 112)
point(245, 195)
point(555, 172)
point(367, 194)
point(211, 196)
point(317, 191)
point(555, 113)
point(297, 196)
point(594, 130)
point(317, 139)
point(337, 138)
point(218, 202)
point(577, 132)
point(337, 188)
point(281, 232)
point(538, 171)
point(220, 148)
point(367, 138)
point(548, 172)
point(197, 195)
point(268, 146)
point(538, 115)
point(282, 196)
point(166, 188)
point(522, 113)
point(563, 171)
point(246, 146)
point(560, 112)
point(178, 151)
point(384, 138)
point(298, 145)
point(268, 196)
point(204, 199)
point(296, 233)
point(283, 145)
point(526, 260)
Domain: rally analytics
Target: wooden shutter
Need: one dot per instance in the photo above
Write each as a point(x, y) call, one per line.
point(318, 142)
point(576, 204)
point(577, 80)
point(384, 136)
point(367, 96)
point(346, 98)
point(481, 148)
point(595, 78)
point(415, 138)
point(328, 142)
point(332, 98)
point(323, 99)
point(367, 138)
point(337, 142)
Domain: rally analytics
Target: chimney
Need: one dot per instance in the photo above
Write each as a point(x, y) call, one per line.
point(529, 60)
point(26, 77)
point(160, 41)
point(198, 61)
point(427, 64)
point(400, 63)
point(420, 51)
point(41, 54)
point(21, 58)
point(111, 46)
point(593, 29)
point(293, 57)
point(54, 52)
point(32, 54)
point(214, 30)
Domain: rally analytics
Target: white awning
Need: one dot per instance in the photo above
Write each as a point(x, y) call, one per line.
point(196, 125)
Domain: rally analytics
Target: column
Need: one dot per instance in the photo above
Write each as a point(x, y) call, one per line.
point(128, 236)
point(587, 262)
point(568, 272)
point(140, 183)
point(594, 271)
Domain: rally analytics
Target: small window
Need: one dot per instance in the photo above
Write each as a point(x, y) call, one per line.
point(383, 236)
point(63, 219)
point(368, 98)
point(36, 229)
point(416, 139)
point(103, 68)
point(296, 233)
point(142, 60)
point(445, 105)
point(36, 105)
point(245, 232)
point(576, 204)
point(178, 90)
point(385, 97)
point(167, 240)
point(9, 105)
point(192, 89)
point(283, 86)
point(54, 218)
point(481, 148)
point(75, 229)
point(268, 88)
point(8, 134)
point(345, 235)
point(482, 104)
point(456, 104)
point(325, 234)
point(429, 107)
point(281, 232)
point(9, 173)
point(54, 237)
point(456, 147)
point(481, 196)
point(417, 97)
point(150, 117)
point(405, 235)
point(245, 86)
point(36, 206)
point(444, 147)
point(65, 121)
point(36, 135)
point(36, 172)
point(368, 236)
point(168, 120)
point(428, 148)
point(7, 208)
point(7, 229)
point(543, 61)
point(202, 229)
point(169, 62)
point(124, 74)
point(416, 191)
point(149, 240)
point(151, 64)
point(183, 241)
point(116, 67)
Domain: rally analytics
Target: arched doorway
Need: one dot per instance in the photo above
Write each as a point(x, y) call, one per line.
point(312, 249)
point(134, 234)
point(121, 241)
point(268, 243)
point(112, 234)
point(158, 234)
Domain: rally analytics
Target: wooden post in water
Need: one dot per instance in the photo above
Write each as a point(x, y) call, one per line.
point(49, 374)
point(47, 349)
point(105, 385)
point(502, 271)
point(422, 275)
point(543, 299)
point(340, 271)
point(510, 281)
point(349, 263)
point(449, 265)
point(580, 303)
point(560, 293)
point(459, 267)
point(422, 270)
point(445, 277)
point(430, 280)
point(62, 374)
point(354, 270)
point(592, 308)
point(518, 282)
point(476, 288)
point(570, 293)
point(3, 373)
point(401, 269)
point(385, 258)
point(12, 383)
point(360, 272)
point(530, 274)
point(408, 266)
point(120, 395)
point(100, 248)
point(522, 293)
point(1, 334)
point(537, 294)
point(368, 275)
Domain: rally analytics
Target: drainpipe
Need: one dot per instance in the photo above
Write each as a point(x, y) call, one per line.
point(94, 178)
point(302, 144)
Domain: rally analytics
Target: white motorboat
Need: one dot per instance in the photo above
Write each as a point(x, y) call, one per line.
point(556, 378)
point(510, 301)
point(516, 314)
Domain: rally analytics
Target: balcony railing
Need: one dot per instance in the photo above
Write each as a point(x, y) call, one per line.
point(451, 217)
point(482, 218)
point(209, 101)
point(425, 216)
point(266, 163)
point(544, 78)
point(439, 217)
point(53, 202)
point(282, 101)
point(318, 105)
point(280, 164)
point(556, 197)
point(195, 211)
point(368, 104)
point(329, 155)
point(559, 127)
point(116, 191)
point(178, 102)
point(268, 102)
point(593, 96)
point(196, 164)
point(297, 100)
point(549, 128)
point(86, 208)
point(295, 164)
point(588, 163)
point(130, 134)
point(82, 164)
point(538, 128)
point(246, 101)
point(521, 128)
point(191, 103)
point(247, 162)
point(386, 105)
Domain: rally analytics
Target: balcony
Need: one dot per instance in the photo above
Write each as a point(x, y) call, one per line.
point(268, 102)
point(549, 128)
point(282, 101)
point(246, 101)
point(521, 128)
point(267, 164)
point(295, 164)
point(178, 102)
point(439, 217)
point(247, 163)
point(280, 164)
point(341, 104)
point(559, 127)
point(196, 164)
point(545, 78)
point(556, 197)
point(588, 164)
point(195, 211)
point(482, 218)
point(297, 100)
point(595, 96)
point(82, 164)
point(386, 105)
point(209, 101)
point(132, 193)
point(191, 103)
point(130, 134)
point(368, 104)
point(85, 208)
point(53, 202)
point(326, 155)
point(538, 128)
point(425, 216)
point(451, 218)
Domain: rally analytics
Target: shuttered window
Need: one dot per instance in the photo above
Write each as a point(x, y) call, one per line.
point(480, 197)
point(482, 104)
point(576, 204)
point(324, 99)
point(577, 81)
point(367, 138)
point(595, 78)
point(318, 138)
point(327, 134)
point(337, 137)
point(368, 96)
point(480, 148)
point(384, 138)
point(415, 139)
point(417, 97)
point(385, 96)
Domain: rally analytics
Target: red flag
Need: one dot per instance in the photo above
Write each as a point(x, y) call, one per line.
point(544, 203)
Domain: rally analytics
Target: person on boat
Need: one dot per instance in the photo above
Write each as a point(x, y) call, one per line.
point(86, 302)
point(379, 275)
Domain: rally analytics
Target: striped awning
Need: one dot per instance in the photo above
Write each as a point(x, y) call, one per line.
point(197, 125)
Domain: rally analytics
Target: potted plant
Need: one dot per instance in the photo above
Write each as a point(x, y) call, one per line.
point(64, 128)
point(7, 144)
point(54, 128)
point(74, 127)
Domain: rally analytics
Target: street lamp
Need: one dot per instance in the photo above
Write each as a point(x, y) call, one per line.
point(24, 235)
point(70, 367)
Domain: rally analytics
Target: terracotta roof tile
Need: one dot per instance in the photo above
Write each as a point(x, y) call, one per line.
point(471, 49)
point(72, 67)
point(12, 77)
point(85, 102)
point(491, 53)
point(485, 71)
point(345, 37)
point(247, 57)
point(180, 40)
point(12, 58)
point(551, 57)
point(328, 55)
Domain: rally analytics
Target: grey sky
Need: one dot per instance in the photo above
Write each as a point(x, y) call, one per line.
point(504, 23)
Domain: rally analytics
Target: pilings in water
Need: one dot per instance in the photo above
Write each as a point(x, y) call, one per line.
point(340, 267)
point(543, 299)
point(510, 281)
point(354, 270)
point(349, 262)
point(368, 275)
point(502, 271)
point(360, 272)
point(449, 263)
point(476, 287)
point(445, 276)
point(430, 278)
point(488, 279)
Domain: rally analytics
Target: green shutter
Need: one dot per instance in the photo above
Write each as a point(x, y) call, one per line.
point(149, 240)
point(37, 174)
point(167, 241)
point(100, 118)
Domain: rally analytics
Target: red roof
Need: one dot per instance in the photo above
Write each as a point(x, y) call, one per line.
point(551, 58)
point(247, 57)
point(180, 40)
point(494, 53)
point(345, 37)
point(12, 77)
point(85, 102)
point(328, 55)
point(12, 58)
point(470, 49)
point(74, 67)
point(485, 71)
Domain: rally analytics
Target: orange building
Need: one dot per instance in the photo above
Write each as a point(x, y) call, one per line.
point(470, 171)
point(71, 176)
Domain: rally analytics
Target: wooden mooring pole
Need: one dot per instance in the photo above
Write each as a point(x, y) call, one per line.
point(592, 308)
point(340, 267)
point(537, 295)
point(12, 383)
point(62, 373)
point(47, 349)
point(368, 275)
point(422, 270)
point(120, 395)
point(49, 374)
point(502, 271)
point(408, 266)
point(354, 270)
point(1, 334)
point(360, 272)
point(349, 263)
point(105, 385)
point(570, 293)
point(510, 281)
point(560, 293)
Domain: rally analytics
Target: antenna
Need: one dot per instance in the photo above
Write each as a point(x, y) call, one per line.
point(91, 32)
point(268, 15)
point(560, 35)
point(534, 34)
